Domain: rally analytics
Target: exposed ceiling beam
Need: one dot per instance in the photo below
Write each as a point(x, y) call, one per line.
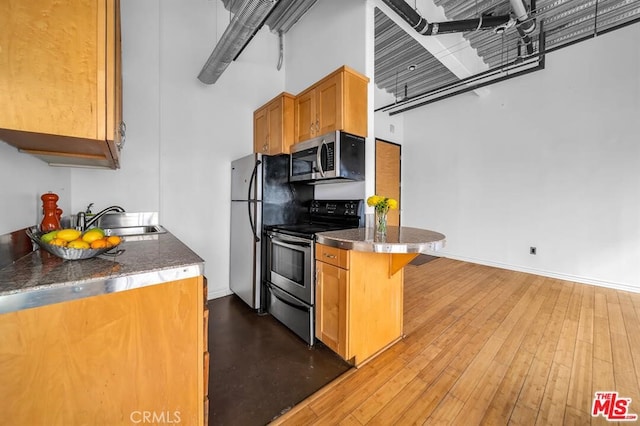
point(452, 50)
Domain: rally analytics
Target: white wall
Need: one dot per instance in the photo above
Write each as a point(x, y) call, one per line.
point(331, 34)
point(549, 160)
point(136, 185)
point(24, 180)
point(182, 134)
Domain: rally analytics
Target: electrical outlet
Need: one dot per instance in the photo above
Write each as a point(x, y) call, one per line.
point(532, 250)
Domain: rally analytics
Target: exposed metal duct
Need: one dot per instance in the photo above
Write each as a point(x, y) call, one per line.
point(287, 13)
point(525, 24)
point(423, 27)
point(248, 19)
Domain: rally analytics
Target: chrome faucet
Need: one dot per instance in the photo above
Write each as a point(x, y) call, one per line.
point(81, 218)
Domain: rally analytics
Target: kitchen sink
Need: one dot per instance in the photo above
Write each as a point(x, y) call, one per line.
point(131, 226)
point(126, 231)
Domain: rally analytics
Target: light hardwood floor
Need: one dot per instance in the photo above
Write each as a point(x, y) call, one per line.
point(490, 346)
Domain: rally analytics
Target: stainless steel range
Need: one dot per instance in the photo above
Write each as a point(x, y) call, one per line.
point(290, 277)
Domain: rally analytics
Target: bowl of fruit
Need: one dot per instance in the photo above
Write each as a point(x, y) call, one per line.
point(71, 244)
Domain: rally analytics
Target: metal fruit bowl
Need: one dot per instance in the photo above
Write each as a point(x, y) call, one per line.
point(66, 252)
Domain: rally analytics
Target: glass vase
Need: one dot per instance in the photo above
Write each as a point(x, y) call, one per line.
point(381, 223)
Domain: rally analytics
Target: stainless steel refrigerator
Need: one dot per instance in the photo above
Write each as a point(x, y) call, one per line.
point(261, 195)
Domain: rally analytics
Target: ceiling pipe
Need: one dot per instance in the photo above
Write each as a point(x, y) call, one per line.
point(525, 24)
point(245, 23)
point(423, 27)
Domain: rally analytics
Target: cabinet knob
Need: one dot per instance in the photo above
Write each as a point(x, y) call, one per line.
point(330, 256)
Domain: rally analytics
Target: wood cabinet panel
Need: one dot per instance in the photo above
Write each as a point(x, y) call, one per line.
point(331, 305)
point(305, 115)
point(100, 359)
point(332, 255)
point(329, 105)
point(60, 80)
point(337, 102)
point(273, 126)
point(359, 309)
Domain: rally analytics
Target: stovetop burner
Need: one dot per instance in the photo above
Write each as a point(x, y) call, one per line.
point(326, 215)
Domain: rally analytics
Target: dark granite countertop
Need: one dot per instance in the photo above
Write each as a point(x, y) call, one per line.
point(398, 240)
point(40, 278)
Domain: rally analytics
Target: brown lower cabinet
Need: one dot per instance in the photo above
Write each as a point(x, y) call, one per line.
point(113, 359)
point(358, 302)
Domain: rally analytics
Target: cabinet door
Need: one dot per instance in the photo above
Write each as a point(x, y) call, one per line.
point(61, 94)
point(260, 131)
point(275, 117)
point(329, 106)
point(331, 307)
point(50, 80)
point(305, 113)
point(115, 129)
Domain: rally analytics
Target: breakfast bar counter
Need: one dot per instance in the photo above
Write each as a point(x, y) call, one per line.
point(360, 286)
point(397, 240)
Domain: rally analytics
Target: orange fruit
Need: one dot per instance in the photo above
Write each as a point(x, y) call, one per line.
point(58, 242)
point(114, 240)
point(98, 244)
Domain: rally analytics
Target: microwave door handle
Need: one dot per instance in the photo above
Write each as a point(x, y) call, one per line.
point(323, 144)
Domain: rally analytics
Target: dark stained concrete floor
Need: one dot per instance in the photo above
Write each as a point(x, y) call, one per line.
point(258, 368)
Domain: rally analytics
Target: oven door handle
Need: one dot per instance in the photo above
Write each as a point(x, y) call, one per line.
point(289, 244)
point(275, 290)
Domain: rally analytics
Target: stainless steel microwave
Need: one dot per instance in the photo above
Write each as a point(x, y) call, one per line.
point(334, 156)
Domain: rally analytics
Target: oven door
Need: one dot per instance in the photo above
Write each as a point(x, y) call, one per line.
point(290, 265)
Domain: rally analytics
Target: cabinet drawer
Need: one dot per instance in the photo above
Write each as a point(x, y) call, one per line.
point(332, 255)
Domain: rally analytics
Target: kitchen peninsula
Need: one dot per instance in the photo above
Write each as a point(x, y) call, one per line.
point(359, 287)
point(105, 340)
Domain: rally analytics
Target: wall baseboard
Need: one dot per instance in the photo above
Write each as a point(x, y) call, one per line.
point(218, 293)
point(549, 274)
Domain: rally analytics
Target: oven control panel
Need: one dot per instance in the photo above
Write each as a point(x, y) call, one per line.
point(337, 208)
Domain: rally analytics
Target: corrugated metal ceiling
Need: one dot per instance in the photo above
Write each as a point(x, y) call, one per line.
point(565, 22)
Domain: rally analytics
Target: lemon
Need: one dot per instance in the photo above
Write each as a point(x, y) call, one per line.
point(68, 234)
point(78, 244)
point(46, 238)
point(93, 234)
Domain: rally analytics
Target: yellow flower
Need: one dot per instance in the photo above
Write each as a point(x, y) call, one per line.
point(373, 200)
point(382, 204)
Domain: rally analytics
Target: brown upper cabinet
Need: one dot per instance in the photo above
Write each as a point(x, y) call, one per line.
point(273, 126)
point(60, 81)
point(337, 102)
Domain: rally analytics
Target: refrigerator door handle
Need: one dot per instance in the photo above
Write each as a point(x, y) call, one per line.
point(251, 218)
